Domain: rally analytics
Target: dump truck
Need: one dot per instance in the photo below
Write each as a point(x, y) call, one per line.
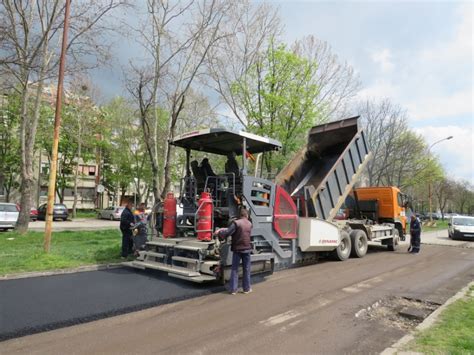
point(292, 216)
point(383, 204)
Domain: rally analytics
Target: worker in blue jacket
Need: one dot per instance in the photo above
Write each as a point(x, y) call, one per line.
point(415, 232)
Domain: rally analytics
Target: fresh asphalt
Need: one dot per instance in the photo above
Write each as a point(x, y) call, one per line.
point(33, 305)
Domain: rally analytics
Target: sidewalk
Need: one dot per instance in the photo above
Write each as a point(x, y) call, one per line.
point(441, 238)
point(76, 224)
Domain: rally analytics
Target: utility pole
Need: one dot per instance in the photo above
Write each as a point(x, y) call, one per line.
point(57, 125)
point(429, 182)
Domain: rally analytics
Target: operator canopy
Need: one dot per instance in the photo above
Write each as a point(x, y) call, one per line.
point(224, 141)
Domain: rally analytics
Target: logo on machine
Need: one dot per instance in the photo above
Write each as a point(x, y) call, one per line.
point(328, 241)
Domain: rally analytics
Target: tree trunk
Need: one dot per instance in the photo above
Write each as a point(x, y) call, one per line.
point(8, 188)
point(167, 179)
point(26, 176)
point(27, 141)
point(76, 175)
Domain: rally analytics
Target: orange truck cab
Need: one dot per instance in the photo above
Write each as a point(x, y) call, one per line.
point(390, 204)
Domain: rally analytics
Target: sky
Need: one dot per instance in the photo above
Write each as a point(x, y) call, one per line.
point(417, 54)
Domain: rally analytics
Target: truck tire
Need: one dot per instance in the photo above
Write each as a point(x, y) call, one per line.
point(359, 243)
point(393, 243)
point(343, 251)
point(400, 232)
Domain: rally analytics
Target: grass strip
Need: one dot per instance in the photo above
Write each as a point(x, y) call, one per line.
point(453, 333)
point(440, 225)
point(24, 253)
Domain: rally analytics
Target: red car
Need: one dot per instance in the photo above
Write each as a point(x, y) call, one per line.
point(33, 214)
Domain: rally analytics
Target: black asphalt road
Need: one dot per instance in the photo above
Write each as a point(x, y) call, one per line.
point(306, 310)
point(34, 305)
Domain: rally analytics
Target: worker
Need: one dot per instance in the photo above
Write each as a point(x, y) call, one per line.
point(127, 220)
point(206, 167)
point(140, 232)
point(415, 233)
point(240, 230)
point(231, 165)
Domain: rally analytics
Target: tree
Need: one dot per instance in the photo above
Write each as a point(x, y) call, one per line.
point(125, 155)
point(278, 97)
point(9, 144)
point(463, 193)
point(84, 116)
point(399, 156)
point(383, 123)
point(177, 38)
point(250, 27)
point(337, 82)
point(29, 54)
point(443, 191)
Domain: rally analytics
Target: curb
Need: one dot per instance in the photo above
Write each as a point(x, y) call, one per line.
point(428, 322)
point(25, 275)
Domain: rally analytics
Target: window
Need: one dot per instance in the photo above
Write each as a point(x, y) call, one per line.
point(44, 169)
point(88, 170)
point(400, 199)
point(11, 208)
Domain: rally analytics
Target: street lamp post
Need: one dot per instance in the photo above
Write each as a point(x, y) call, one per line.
point(429, 182)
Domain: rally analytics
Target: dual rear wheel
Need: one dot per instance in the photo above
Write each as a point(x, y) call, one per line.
point(353, 244)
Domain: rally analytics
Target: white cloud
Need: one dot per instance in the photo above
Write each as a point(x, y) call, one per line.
point(380, 89)
point(457, 104)
point(456, 154)
point(434, 81)
point(383, 58)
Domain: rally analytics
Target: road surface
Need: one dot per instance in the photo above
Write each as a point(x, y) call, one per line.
point(32, 305)
point(303, 310)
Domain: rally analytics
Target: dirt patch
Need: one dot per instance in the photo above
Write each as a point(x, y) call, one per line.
point(398, 312)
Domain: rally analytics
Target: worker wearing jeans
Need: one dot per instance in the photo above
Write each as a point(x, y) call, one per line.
point(240, 230)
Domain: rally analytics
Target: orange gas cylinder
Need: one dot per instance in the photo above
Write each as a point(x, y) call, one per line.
point(204, 217)
point(169, 216)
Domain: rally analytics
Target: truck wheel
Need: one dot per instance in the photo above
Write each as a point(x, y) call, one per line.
point(343, 251)
point(393, 243)
point(359, 243)
point(400, 232)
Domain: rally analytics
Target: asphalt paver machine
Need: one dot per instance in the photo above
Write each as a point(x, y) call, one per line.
point(292, 216)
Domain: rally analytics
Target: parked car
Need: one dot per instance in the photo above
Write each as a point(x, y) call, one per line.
point(460, 227)
point(433, 215)
point(113, 213)
point(8, 215)
point(421, 216)
point(33, 214)
point(59, 212)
